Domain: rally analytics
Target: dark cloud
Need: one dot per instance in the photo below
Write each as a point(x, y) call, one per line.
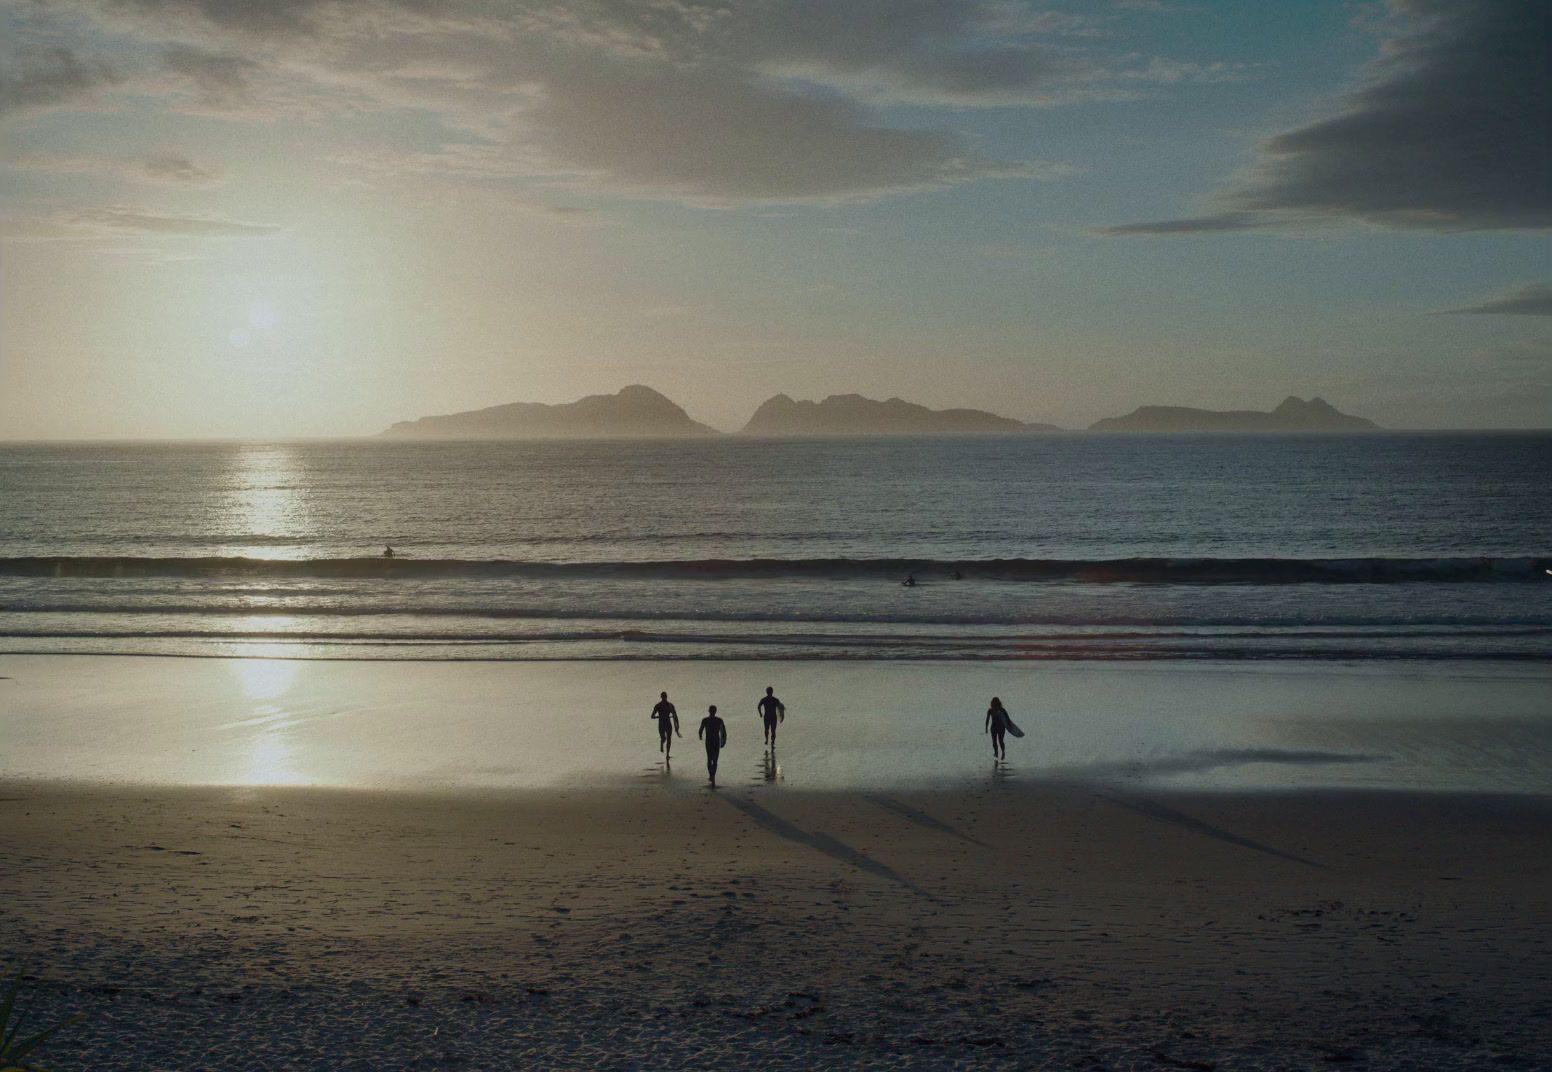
point(48, 77)
point(262, 17)
point(1532, 300)
point(699, 100)
point(1223, 221)
point(176, 170)
point(745, 142)
point(1449, 132)
point(170, 168)
point(166, 223)
point(220, 78)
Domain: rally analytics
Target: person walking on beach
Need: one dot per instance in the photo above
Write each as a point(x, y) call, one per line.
point(714, 733)
point(667, 724)
point(997, 725)
point(772, 712)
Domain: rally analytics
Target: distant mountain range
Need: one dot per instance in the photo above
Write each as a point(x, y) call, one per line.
point(843, 415)
point(1292, 415)
point(639, 412)
point(636, 412)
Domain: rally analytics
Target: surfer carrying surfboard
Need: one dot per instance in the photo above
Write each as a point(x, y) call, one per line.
point(998, 723)
point(772, 712)
point(667, 717)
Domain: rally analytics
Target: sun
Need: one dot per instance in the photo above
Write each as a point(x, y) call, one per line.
point(262, 316)
point(259, 322)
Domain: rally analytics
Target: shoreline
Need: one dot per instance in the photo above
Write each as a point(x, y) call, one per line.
point(905, 725)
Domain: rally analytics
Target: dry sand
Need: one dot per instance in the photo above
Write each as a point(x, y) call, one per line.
point(663, 927)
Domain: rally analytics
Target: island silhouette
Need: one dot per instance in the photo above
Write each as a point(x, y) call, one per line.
point(634, 412)
point(843, 415)
point(1293, 414)
point(639, 412)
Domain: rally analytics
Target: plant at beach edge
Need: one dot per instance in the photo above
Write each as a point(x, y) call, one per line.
point(14, 1049)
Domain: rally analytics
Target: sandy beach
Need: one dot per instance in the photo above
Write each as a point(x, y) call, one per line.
point(663, 926)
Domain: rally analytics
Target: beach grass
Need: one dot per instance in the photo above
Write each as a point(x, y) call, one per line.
point(16, 1048)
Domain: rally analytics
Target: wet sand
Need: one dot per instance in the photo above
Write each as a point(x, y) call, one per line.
point(874, 725)
point(999, 925)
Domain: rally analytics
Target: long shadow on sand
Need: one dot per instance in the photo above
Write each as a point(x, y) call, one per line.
point(1154, 810)
point(826, 844)
point(1203, 760)
point(919, 817)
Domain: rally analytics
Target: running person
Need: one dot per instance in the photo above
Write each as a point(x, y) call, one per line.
point(997, 726)
point(772, 711)
point(667, 724)
point(714, 733)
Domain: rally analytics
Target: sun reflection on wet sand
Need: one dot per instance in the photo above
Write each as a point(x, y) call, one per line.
point(265, 679)
point(268, 745)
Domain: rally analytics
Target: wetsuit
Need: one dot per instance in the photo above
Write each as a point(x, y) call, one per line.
point(997, 722)
point(714, 733)
point(772, 710)
point(667, 719)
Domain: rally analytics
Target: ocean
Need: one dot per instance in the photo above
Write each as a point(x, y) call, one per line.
point(1051, 547)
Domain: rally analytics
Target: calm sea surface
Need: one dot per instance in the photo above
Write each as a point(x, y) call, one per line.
point(1068, 547)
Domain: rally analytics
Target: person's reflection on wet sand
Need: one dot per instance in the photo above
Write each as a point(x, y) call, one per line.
point(770, 770)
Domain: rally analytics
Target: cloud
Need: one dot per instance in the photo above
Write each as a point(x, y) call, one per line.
point(221, 79)
point(1152, 7)
point(704, 102)
point(1531, 356)
point(1223, 221)
point(49, 77)
point(145, 221)
point(170, 169)
point(747, 143)
point(1448, 132)
point(1534, 299)
point(176, 170)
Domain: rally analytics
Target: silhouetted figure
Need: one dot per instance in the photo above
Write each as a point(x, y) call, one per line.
point(387, 551)
point(910, 581)
point(667, 724)
point(997, 726)
point(714, 733)
point(772, 712)
point(957, 575)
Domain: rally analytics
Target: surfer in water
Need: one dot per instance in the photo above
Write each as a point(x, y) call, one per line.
point(667, 724)
point(997, 725)
point(387, 551)
point(910, 581)
point(772, 713)
point(714, 733)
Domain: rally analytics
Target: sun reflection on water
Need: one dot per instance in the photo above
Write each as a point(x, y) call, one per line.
point(267, 504)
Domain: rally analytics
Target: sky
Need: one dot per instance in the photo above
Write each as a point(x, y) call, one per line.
point(293, 218)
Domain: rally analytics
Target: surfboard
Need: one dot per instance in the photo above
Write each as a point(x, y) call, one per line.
point(1013, 729)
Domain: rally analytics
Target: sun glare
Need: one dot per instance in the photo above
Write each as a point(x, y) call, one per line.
point(265, 679)
point(262, 316)
point(266, 500)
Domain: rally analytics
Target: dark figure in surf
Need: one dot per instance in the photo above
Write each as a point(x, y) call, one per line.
point(997, 726)
point(910, 580)
point(387, 551)
point(772, 713)
point(667, 724)
point(714, 733)
point(957, 575)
